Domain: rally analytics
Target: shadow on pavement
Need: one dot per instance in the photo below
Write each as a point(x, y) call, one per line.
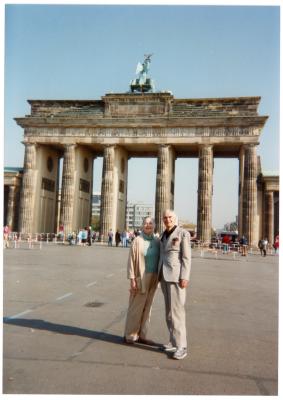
point(73, 330)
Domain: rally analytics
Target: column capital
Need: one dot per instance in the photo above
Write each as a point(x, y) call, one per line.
point(205, 148)
point(109, 149)
point(70, 145)
point(29, 145)
point(12, 188)
point(247, 146)
point(163, 149)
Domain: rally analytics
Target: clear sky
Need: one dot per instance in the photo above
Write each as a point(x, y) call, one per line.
point(85, 51)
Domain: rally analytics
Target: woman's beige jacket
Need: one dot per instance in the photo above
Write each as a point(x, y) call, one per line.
point(136, 262)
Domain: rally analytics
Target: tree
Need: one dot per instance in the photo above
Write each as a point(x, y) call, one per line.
point(95, 223)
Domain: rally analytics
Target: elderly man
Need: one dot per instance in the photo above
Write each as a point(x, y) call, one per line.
point(174, 273)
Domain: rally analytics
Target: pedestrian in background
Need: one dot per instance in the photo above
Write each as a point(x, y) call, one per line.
point(244, 245)
point(110, 237)
point(84, 236)
point(264, 246)
point(117, 238)
point(6, 232)
point(124, 238)
point(89, 238)
point(276, 244)
point(260, 246)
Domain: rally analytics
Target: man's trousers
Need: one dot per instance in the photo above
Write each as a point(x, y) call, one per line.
point(175, 314)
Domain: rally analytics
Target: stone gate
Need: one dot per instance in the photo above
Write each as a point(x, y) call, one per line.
point(120, 126)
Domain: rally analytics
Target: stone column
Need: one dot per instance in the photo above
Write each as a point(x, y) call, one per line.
point(164, 195)
point(68, 189)
point(269, 216)
point(107, 189)
point(204, 219)
point(240, 192)
point(11, 207)
point(250, 195)
point(276, 212)
point(91, 192)
point(28, 190)
point(58, 200)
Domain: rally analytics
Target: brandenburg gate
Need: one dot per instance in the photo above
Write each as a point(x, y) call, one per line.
point(124, 125)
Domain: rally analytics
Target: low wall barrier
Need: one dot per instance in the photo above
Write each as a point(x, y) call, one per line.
point(18, 240)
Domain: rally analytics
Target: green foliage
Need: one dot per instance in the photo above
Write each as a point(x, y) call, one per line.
point(95, 223)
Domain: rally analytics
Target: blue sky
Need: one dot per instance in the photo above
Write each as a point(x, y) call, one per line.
point(85, 51)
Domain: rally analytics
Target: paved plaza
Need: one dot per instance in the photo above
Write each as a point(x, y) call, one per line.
point(64, 314)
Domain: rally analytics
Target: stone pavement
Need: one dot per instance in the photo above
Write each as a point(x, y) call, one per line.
point(64, 314)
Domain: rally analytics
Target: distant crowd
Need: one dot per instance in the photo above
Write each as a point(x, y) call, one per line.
point(87, 236)
point(227, 242)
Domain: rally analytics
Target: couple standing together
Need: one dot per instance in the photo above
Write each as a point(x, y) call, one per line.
point(166, 260)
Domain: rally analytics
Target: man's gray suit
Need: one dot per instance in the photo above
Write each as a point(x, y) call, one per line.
point(175, 264)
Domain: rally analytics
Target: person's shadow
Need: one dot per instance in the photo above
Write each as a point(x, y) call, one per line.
point(73, 330)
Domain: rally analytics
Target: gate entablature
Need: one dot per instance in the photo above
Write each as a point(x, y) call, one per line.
point(145, 110)
point(146, 120)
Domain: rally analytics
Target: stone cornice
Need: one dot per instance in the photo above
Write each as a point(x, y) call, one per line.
point(145, 96)
point(170, 122)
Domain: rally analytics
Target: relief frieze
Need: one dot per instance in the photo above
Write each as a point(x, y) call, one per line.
point(143, 132)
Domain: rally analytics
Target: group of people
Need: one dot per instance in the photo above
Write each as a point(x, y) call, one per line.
point(85, 236)
point(165, 259)
point(263, 245)
point(125, 237)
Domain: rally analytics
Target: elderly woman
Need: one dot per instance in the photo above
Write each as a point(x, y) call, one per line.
point(142, 272)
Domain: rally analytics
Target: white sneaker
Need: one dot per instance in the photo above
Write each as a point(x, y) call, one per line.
point(180, 353)
point(169, 348)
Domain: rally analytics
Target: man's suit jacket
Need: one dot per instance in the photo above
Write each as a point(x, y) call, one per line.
point(175, 256)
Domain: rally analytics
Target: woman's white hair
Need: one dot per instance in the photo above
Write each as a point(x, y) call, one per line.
point(146, 218)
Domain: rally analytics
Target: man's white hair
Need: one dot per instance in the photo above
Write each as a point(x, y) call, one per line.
point(168, 210)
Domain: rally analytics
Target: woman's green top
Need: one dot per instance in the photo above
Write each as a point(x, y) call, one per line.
point(151, 253)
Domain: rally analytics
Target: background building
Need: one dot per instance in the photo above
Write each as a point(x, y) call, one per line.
point(136, 212)
point(96, 203)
